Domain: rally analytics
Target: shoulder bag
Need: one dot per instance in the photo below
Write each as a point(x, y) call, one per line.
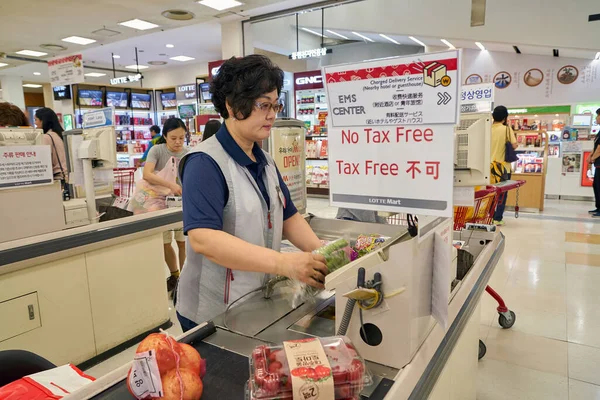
point(510, 153)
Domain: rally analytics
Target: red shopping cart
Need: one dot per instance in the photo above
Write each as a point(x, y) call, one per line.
point(124, 181)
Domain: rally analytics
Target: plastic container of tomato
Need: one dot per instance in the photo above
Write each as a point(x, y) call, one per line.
point(270, 375)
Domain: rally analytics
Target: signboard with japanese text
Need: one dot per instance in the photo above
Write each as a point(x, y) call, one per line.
point(96, 118)
point(25, 166)
point(391, 133)
point(66, 70)
point(287, 148)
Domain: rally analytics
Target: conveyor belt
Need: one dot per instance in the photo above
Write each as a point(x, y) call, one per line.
point(226, 372)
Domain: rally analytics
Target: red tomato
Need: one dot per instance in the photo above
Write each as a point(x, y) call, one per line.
point(355, 371)
point(301, 371)
point(271, 384)
point(340, 375)
point(260, 364)
point(275, 366)
point(312, 374)
point(322, 371)
point(274, 355)
point(259, 376)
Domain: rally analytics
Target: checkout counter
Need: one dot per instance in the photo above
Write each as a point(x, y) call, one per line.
point(424, 359)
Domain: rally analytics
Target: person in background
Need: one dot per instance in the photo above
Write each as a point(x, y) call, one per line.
point(595, 160)
point(155, 132)
point(170, 144)
point(352, 214)
point(47, 120)
point(211, 128)
point(501, 133)
point(236, 207)
point(11, 115)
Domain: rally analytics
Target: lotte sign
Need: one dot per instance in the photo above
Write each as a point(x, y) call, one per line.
point(391, 133)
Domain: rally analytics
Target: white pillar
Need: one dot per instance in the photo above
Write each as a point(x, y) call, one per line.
point(48, 96)
point(232, 40)
point(12, 90)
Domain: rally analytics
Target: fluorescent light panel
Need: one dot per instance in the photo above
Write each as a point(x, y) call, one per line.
point(313, 32)
point(481, 47)
point(182, 58)
point(338, 35)
point(363, 36)
point(95, 74)
point(170, 46)
point(417, 41)
point(447, 43)
point(116, 56)
point(139, 24)
point(220, 5)
point(37, 73)
point(389, 38)
point(32, 85)
point(3, 64)
point(32, 53)
point(78, 40)
point(136, 66)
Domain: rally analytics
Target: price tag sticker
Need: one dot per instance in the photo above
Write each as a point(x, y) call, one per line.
point(144, 379)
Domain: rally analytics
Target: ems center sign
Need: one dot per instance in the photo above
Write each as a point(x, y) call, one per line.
point(391, 133)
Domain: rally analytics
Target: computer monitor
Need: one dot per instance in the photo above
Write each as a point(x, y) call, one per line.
point(107, 151)
point(20, 136)
point(472, 146)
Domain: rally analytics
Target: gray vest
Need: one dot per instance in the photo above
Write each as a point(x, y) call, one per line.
point(205, 288)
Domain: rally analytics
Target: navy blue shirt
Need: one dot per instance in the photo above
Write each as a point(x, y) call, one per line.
point(205, 191)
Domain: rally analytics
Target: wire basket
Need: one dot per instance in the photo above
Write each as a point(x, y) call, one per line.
point(124, 181)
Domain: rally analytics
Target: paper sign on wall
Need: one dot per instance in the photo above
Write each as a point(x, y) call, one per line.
point(66, 70)
point(391, 133)
point(288, 152)
point(25, 166)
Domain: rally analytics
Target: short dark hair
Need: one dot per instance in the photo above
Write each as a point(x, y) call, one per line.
point(211, 128)
point(598, 111)
point(500, 114)
point(155, 129)
point(11, 115)
point(170, 125)
point(243, 80)
point(49, 120)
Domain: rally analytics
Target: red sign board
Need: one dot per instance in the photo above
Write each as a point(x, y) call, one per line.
point(308, 80)
point(587, 170)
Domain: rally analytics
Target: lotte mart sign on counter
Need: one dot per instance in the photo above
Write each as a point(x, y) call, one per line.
point(391, 133)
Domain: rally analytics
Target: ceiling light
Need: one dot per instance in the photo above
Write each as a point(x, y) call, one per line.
point(417, 41)
point(447, 43)
point(136, 66)
point(32, 53)
point(95, 74)
point(139, 24)
point(313, 32)
point(480, 46)
point(182, 58)
point(78, 40)
point(37, 73)
point(116, 56)
point(597, 56)
point(389, 38)
point(338, 35)
point(363, 36)
point(170, 46)
point(32, 85)
point(220, 5)
point(3, 64)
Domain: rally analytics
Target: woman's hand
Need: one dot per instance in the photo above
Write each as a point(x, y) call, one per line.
point(176, 189)
point(304, 267)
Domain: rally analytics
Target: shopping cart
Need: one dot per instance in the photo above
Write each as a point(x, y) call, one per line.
point(124, 181)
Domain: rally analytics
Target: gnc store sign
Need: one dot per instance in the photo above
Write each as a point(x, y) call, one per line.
point(308, 80)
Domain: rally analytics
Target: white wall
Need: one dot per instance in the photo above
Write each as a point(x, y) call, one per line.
point(173, 76)
point(354, 52)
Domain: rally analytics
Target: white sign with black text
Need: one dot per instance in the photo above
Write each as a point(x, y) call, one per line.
point(66, 70)
point(391, 133)
point(25, 166)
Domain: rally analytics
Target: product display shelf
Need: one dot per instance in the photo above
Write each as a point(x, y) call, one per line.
point(531, 168)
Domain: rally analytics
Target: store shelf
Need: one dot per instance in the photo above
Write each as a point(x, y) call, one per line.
point(530, 149)
point(319, 191)
point(317, 159)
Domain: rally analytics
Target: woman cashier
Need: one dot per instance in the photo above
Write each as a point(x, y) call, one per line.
point(236, 207)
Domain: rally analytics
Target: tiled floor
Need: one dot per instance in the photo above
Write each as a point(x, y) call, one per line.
point(550, 277)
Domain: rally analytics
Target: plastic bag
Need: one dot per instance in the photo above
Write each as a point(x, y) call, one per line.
point(337, 254)
point(148, 197)
point(52, 384)
point(365, 244)
point(163, 368)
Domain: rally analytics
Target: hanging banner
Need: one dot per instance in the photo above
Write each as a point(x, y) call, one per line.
point(287, 148)
point(391, 133)
point(66, 70)
point(25, 166)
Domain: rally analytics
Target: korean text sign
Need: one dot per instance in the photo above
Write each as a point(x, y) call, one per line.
point(66, 70)
point(391, 133)
point(25, 166)
point(288, 152)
